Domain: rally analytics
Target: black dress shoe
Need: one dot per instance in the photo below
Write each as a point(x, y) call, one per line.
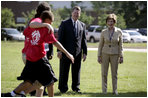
point(63, 92)
point(78, 91)
point(45, 93)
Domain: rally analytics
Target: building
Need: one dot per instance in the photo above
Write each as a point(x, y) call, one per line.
point(18, 7)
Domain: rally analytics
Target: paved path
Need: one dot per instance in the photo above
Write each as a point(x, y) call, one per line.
point(134, 50)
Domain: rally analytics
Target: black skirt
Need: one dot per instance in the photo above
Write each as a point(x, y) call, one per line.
point(40, 70)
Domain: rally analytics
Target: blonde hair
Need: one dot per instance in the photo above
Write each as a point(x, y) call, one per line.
point(112, 16)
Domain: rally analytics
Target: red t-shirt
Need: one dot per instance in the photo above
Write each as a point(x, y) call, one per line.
point(25, 42)
point(34, 42)
point(36, 39)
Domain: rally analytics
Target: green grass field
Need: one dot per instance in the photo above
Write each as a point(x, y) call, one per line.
point(125, 45)
point(132, 74)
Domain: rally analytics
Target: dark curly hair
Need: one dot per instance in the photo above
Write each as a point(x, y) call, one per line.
point(47, 15)
point(42, 7)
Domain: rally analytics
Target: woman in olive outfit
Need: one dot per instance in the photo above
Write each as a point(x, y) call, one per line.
point(110, 51)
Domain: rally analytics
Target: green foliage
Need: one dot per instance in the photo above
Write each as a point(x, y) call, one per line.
point(132, 14)
point(121, 21)
point(64, 13)
point(28, 16)
point(102, 20)
point(135, 13)
point(7, 18)
point(57, 19)
point(125, 45)
point(101, 7)
point(85, 18)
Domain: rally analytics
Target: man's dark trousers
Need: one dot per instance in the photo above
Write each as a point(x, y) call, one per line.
point(64, 70)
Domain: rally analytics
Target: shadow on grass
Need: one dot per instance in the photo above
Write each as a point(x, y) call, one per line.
point(89, 94)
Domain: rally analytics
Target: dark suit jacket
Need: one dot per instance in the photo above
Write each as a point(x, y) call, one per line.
point(67, 38)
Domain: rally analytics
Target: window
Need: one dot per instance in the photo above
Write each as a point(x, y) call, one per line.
point(99, 29)
point(91, 29)
point(20, 20)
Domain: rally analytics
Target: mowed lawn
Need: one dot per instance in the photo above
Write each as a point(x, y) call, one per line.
point(132, 74)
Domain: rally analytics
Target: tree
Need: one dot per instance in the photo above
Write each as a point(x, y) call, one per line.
point(64, 12)
point(28, 16)
point(134, 12)
point(57, 19)
point(101, 7)
point(141, 18)
point(7, 18)
point(121, 23)
point(120, 20)
point(102, 20)
point(86, 19)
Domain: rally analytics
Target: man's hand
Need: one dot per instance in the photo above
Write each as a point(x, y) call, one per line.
point(121, 60)
point(50, 57)
point(59, 55)
point(84, 57)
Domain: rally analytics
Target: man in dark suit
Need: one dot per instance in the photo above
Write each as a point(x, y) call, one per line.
point(72, 36)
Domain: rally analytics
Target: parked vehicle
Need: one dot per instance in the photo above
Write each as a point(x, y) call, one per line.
point(143, 31)
point(136, 37)
point(20, 28)
point(126, 37)
point(11, 34)
point(134, 29)
point(93, 34)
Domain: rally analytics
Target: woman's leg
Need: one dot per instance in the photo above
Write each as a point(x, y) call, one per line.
point(104, 69)
point(114, 69)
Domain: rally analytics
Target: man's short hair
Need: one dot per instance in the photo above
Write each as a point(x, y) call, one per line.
point(76, 8)
point(47, 15)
